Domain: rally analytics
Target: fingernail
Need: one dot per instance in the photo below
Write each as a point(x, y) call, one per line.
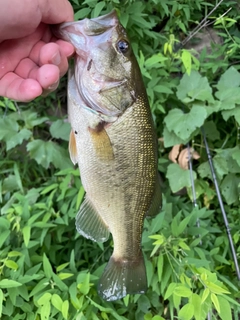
point(56, 59)
point(53, 86)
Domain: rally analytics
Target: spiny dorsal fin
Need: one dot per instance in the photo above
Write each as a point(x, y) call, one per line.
point(72, 147)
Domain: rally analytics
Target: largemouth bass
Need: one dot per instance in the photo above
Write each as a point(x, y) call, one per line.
point(114, 144)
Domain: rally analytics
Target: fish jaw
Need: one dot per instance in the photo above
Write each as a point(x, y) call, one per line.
point(79, 32)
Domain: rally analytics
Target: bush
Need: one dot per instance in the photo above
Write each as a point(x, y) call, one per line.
point(47, 270)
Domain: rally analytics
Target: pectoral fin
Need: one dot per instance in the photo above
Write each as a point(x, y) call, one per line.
point(101, 143)
point(157, 200)
point(89, 223)
point(72, 147)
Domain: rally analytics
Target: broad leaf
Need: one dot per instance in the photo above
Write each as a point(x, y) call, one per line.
point(46, 152)
point(179, 178)
point(194, 87)
point(184, 124)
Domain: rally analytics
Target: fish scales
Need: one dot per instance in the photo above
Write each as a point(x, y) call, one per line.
point(114, 143)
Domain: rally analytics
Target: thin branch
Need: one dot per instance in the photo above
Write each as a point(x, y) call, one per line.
point(202, 24)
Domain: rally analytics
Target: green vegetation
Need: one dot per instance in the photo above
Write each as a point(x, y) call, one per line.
point(47, 270)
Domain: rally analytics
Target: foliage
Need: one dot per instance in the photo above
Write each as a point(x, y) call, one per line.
point(47, 270)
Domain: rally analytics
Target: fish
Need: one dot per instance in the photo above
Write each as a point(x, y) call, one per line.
point(114, 143)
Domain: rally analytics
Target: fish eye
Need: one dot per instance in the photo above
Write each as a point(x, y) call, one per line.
point(123, 46)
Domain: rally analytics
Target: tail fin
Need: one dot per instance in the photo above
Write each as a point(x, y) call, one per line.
point(122, 277)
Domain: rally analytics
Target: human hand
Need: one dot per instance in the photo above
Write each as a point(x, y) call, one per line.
point(32, 60)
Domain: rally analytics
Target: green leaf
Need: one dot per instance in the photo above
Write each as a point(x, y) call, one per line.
point(187, 60)
point(46, 297)
point(7, 104)
point(98, 8)
point(45, 311)
point(46, 152)
point(225, 309)
point(31, 118)
point(41, 285)
point(229, 79)
point(182, 291)
point(160, 267)
point(12, 254)
point(220, 165)
point(236, 155)
point(176, 301)
point(189, 121)
point(11, 264)
point(194, 87)
point(178, 177)
point(82, 13)
point(229, 188)
point(229, 97)
point(211, 131)
point(3, 236)
point(157, 318)
point(187, 312)
point(10, 183)
point(6, 283)
point(215, 301)
point(183, 224)
point(170, 290)
point(205, 294)
point(214, 288)
point(235, 112)
point(155, 60)
point(65, 275)
point(11, 134)
point(162, 89)
point(65, 307)
point(47, 268)
point(50, 188)
point(204, 170)
point(183, 245)
point(85, 285)
point(170, 138)
point(26, 231)
point(60, 129)
point(18, 177)
point(57, 302)
point(196, 302)
point(62, 266)
point(1, 302)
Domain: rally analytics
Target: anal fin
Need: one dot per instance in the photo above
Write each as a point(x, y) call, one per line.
point(90, 224)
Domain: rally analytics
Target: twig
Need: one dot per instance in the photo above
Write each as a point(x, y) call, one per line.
point(202, 24)
point(221, 204)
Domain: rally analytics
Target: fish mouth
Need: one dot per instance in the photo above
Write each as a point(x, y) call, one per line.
point(72, 31)
point(100, 24)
